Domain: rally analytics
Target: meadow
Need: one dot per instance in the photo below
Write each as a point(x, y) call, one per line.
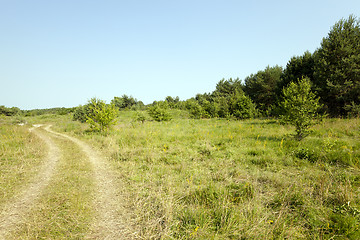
point(223, 179)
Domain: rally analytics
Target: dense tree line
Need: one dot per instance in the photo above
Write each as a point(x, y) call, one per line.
point(333, 71)
point(13, 111)
point(126, 102)
point(9, 111)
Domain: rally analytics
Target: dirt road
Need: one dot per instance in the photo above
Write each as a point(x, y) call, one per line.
point(17, 208)
point(108, 222)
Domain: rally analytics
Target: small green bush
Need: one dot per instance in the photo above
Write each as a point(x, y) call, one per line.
point(139, 117)
point(159, 113)
point(101, 116)
point(300, 106)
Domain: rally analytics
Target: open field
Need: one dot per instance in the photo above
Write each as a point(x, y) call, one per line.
point(193, 179)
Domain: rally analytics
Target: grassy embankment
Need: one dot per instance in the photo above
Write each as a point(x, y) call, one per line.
point(219, 179)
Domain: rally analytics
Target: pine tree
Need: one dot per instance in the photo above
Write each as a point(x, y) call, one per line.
point(337, 67)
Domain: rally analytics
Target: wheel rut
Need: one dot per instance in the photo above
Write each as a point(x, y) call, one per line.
point(15, 211)
point(109, 222)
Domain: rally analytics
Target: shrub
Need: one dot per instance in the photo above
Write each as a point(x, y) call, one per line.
point(195, 109)
point(159, 113)
point(300, 106)
point(140, 117)
point(241, 107)
point(81, 113)
point(100, 115)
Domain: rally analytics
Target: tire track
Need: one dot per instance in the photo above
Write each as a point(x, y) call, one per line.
point(109, 223)
point(15, 211)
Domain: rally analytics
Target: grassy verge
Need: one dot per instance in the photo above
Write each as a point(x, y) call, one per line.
point(21, 154)
point(65, 209)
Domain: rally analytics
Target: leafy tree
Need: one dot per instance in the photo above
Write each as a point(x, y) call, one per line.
point(172, 101)
point(228, 100)
point(337, 67)
point(241, 107)
point(125, 102)
point(218, 103)
point(100, 115)
point(260, 87)
point(222, 106)
point(208, 107)
point(195, 109)
point(300, 106)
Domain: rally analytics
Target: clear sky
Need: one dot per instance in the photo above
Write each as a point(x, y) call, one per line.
point(61, 53)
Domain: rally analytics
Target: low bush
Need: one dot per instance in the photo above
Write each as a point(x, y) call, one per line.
point(159, 113)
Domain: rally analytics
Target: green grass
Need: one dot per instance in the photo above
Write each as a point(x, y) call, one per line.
point(64, 211)
point(220, 179)
point(21, 154)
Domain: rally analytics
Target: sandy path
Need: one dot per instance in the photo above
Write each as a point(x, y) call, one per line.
point(15, 211)
point(109, 221)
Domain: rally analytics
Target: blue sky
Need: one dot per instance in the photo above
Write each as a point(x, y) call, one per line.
point(62, 53)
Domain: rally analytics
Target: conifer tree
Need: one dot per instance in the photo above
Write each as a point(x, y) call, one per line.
point(337, 67)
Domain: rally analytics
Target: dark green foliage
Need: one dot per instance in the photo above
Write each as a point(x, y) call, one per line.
point(297, 68)
point(195, 109)
point(221, 105)
point(337, 67)
point(241, 106)
point(81, 113)
point(352, 109)
point(228, 100)
point(345, 224)
point(307, 154)
point(300, 106)
point(173, 102)
point(9, 111)
point(260, 87)
point(127, 102)
point(225, 88)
